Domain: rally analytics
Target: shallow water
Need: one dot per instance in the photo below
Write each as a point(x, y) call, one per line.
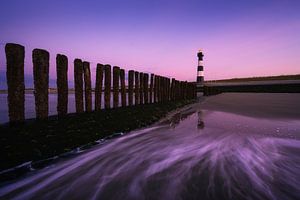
point(205, 155)
point(30, 105)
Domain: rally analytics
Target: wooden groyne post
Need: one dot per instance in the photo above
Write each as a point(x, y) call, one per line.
point(163, 88)
point(130, 87)
point(15, 55)
point(146, 88)
point(172, 93)
point(87, 86)
point(78, 79)
point(141, 88)
point(159, 89)
point(107, 86)
point(98, 87)
point(168, 89)
point(62, 84)
point(40, 60)
point(123, 88)
point(156, 89)
point(116, 78)
point(136, 88)
point(151, 88)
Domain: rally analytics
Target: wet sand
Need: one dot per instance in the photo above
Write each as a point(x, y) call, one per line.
point(213, 149)
point(262, 105)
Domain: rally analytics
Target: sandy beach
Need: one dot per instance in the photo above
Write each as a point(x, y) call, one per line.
point(262, 105)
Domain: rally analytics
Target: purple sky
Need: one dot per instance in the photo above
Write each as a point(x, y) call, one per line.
point(241, 38)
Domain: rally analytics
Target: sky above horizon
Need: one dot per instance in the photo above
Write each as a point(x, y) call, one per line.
point(239, 38)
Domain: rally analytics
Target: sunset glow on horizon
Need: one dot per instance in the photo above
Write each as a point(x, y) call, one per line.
point(238, 38)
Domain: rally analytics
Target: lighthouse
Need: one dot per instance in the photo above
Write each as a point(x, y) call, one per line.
point(200, 75)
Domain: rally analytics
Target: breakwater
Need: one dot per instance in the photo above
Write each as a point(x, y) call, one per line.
point(37, 142)
point(144, 88)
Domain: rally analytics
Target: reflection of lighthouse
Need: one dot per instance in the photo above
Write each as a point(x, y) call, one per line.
point(200, 124)
point(200, 75)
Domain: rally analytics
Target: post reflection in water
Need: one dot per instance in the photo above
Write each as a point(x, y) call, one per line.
point(200, 124)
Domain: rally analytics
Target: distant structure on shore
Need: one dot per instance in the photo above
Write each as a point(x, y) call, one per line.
point(200, 74)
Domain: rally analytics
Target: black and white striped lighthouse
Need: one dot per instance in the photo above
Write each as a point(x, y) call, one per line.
point(200, 74)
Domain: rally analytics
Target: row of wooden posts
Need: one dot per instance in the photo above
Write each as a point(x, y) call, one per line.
point(161, 89)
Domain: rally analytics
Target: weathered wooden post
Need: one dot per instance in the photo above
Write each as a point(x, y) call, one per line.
point(176, 90)
point(188, 90)
point(163, 89)
point(130, 87)
point(78, 78)
point(116, 77)
point(151, 88)
point(191, 91)
point(141, 88)
point(137, 88)
point(107, 86)
point(146, 88)
point(168, 89)
point(87, 86)
point(15, 81)
point(181, 90)
point(185, 90)
point(172, 89)
point(191, 88)
point(40, 59)
point(155, 89)
point(123, 88)
point(159, 89)
point(98, 87)
point(62, 84)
